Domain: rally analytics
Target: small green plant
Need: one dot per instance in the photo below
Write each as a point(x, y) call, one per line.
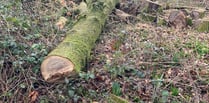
point(118, 71)
point(174, 91)
point(201, 48)
point(189, 21)
point(116, 89)
point(178, 56)
point(86, 76)
point(165, 95)
point(71, 93)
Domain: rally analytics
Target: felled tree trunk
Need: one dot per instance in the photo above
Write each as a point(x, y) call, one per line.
point(71, 55)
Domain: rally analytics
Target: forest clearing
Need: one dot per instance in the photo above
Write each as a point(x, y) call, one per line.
point(104, 51)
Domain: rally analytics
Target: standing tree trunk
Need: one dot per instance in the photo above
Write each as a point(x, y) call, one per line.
point(71, 55)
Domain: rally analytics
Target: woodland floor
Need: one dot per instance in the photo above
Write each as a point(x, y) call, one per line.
point(137, 60)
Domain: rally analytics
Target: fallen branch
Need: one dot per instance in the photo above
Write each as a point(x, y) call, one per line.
point(116, 99)
point(72, 54)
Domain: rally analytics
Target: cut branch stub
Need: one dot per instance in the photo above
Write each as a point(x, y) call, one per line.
point(177, 19)
point(55, 68)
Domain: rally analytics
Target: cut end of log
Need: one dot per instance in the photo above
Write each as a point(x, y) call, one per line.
point(54, 68)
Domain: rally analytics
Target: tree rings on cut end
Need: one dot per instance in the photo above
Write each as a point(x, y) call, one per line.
point(54, 68)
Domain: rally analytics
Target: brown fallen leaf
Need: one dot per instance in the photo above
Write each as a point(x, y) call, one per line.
point(61, 22)
point(123, 16)
point(169, 71)
point(33, 96)
point(62, 2)
point(204, 72)
point(68, 13)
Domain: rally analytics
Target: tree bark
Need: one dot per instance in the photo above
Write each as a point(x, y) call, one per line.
point(72, 54)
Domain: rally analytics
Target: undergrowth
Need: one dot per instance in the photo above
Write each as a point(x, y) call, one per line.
point(139, 62)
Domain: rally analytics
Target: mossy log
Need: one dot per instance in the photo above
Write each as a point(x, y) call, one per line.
point(116, 99)
point(202, 25)
point(71, 55)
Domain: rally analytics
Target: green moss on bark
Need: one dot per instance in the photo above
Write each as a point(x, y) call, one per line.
point(117, 99)
point(81, 38)
point(203, 26)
